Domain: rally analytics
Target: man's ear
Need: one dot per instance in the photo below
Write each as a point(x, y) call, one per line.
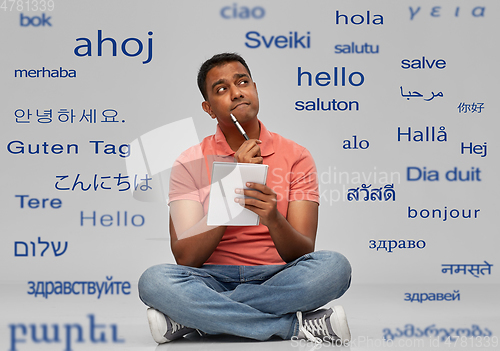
point(205, 105)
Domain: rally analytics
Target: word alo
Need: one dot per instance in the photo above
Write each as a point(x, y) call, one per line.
point(65, 333)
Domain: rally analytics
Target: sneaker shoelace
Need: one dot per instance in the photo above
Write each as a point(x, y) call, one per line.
point(177, 326)
point(312, 327)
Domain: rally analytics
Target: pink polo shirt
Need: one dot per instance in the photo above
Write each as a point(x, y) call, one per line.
point(291, 174)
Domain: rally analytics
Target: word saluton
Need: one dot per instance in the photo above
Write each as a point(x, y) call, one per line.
point(86, 49)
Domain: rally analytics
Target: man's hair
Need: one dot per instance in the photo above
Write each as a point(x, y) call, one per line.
point(215, 61)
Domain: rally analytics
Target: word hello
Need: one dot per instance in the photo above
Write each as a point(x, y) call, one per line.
point(358, 19)
point(97, 333)
point(422, 64)
point(121, 219)
point(86, 49)
point(34, 21)
point(293, 41)
point(453, 175)
point(243, 12)
point(355, 49)
point(324, 79)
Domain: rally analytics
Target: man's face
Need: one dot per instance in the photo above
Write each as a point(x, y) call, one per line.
point(230, 89)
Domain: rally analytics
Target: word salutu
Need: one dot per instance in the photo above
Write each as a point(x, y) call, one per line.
point(473, 269)
point(417, 94)
point(18, 244)
point(97, 333)
point(421, 297)
point(354, 48)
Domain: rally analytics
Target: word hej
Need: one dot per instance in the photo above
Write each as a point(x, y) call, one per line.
point(86, 49)
point(46, 243)
point(453, 175)
point(17, 147)
point(435, 12)
point(97, 333)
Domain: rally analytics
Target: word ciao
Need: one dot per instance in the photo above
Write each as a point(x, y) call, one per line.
point(358, 19)
point(86, 49)
point(97, 333)
point(435, 12)
point(393, 244)
point(46, 243)
point(107, 287)
point(292, 41)
point(18, 147)
point(453, 175)
point(421, 297)
point(242, 12)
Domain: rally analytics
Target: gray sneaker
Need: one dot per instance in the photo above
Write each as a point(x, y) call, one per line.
point(164, 329)
point(324, 325)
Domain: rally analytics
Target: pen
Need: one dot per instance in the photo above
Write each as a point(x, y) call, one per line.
point(240, 128)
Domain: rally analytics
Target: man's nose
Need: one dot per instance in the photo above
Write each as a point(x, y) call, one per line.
point(236, 92)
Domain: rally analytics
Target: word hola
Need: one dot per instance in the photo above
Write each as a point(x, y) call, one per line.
point(358, 19)
point(243, 12)
point(422, 64)
point(355, 49)
point(453, 175)
point(476, 149)
point(34, 21)
point(40, 333)
point(293, 41)
point(86, 49)
point(362, 144)
point(324, 79)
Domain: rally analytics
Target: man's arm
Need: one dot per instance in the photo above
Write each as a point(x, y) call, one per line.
point(294, 235)
point(191, 239)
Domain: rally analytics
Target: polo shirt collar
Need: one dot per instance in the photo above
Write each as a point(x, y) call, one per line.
point(266, 148)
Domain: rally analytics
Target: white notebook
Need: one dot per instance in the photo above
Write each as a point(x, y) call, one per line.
point(226, 177)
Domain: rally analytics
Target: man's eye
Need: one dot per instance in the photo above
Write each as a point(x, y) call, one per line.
point(243, 82)
point(220, 90)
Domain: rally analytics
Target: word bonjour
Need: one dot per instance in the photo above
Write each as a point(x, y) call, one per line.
point(97, 333)
point(358, 19)
point(477, 11)
point(86, 49)
point(18, 147)
point(46, 243)
point(415, 173)
point(421, 297)
point(394, 244)
point(436, 213)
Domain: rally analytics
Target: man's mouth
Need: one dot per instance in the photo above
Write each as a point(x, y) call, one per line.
point(240, 104)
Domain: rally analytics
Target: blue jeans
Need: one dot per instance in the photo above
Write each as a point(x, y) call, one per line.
point(250, 301)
